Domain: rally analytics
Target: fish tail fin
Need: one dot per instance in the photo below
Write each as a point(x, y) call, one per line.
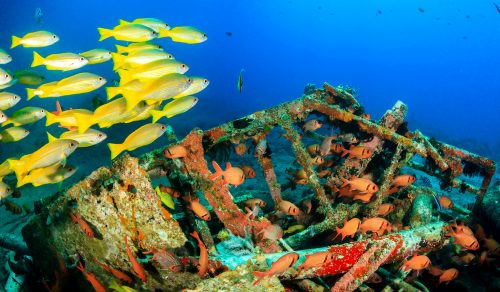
point(8, 121)
point(132, 100)
point(118, 60)
point(84, 122)
point(260, 276)
point(17, 167)
point(156, 115)
point(125, 76)
point(104, 33)
point(344, 152)
point(21, 182)
point(121, 49)
point(195, 235)
point(51, 138)
point(345, 182)
point(50, 119)
point(30, 92)
point(37, 60)
point(16, 41)
point(115, 149)
point(112, 92)
point(163, 33)
point(218, 170)
point(115, 286)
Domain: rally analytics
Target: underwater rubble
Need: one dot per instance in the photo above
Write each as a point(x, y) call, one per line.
point(114, 220)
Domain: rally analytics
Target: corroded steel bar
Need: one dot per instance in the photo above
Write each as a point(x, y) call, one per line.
point(432, 151)
point(407, 242)
point(270, 176)
point(366, 265)
point(335, 92)
point(396, 282)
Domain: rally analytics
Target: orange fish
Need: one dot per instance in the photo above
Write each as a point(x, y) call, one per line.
point(138, 270)
point(416, 263)
point(232, 175)
point(448, 275)
point(298, 174)
point(385, 209)
point(493, 246)
point(75, 218)
point(315, 260)
point(363, 197)
point(176, 151)
point(403, 180)
point(271, 232)
point(480, 233)
point(313, 149)
point(317, 160)
point(462, 228)
point(435, 271)
point(203, 260)
point(445, 202)
point(91, 278)
point(311, 125)
point(198, 208)
point(376, 225)
point(241, 149)
point(336, 148)
point(324, 173)
point(467, 258)
point(248, 171)
point(289, 208)
point(278, 267)
point(357, 152)
point(326, 146)
point(116, 273)
point(169, 190)
point(350, 228)
point(360, 184)
point(464, 240)
point(254, 202)
point(345, 192)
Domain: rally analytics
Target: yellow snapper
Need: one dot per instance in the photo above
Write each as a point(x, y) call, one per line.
point(14, 134)
point(116, 287)
point(128, 33)
point(107, 115)
point(144, 135)
point(198, 84)
point(5, 169)
point(5, 191)
point(184, 34)
point(35, 39)
point(143, 113)
point(29, 77)
point(63, 61)
point(175, 107)
point(5, 77)
point(96, 56)
point(5, 58)
point(137, 58)
point(88, 138)
point(24, 116)
point(153, 70)
point(133, 85)
point(76, 84)
point(160, 89)
point(3, 117)
point(8, 100)
point(152, 23)
point(66, 119)
point(165, 198)
point(136, 47)
point(50, 153)
point(47, 175)
point(43, 91)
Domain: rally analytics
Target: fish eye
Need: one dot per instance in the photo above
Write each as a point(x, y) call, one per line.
point(81, 59)
point(100, 78)
point(99, 135)
point(54, 36)
point(72, 144)
point(42, 111)
point(7, 189)
point(205, 81)
point(6, 75)
point(26, 131)
point(183, 66)
point(163, 127)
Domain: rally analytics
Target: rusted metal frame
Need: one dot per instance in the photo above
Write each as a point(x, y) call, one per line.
point(419, 240)
point(338, 92)
point(396, 282)
point(270, 176)
point(455, 183)
point(366, 265)
point(432, 151)
point(336, 113)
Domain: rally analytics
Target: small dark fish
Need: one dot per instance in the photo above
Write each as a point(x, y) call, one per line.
point(379, 12)
point(467, 16)
point(240, 80)
point(497, 7)
point(421, 10)
point(229, 34)
point(38, 15)
point(320, 7)
point(464, 37)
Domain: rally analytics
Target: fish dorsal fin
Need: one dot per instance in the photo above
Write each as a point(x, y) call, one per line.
point(58, 108)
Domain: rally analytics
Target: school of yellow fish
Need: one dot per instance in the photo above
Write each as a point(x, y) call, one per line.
point(149, 77)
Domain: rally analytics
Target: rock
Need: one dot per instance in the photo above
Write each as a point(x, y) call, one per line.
point(490, 208)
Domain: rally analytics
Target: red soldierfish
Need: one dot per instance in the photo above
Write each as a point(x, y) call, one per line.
point(91, 278)
point(203, 260)
point(326, 145)
point(138, 270)
point(315, 260)
point(198, 209)
point(232, 175)
point(289, 208)
point(176, 151)
point(416, 263)
point(360, 184)
point(357, 152)
point(403, 180)
point(311, 125)
point(271, 232)
point(75, 218)
point(350, 228)
point(376, 225)
point(278, 267)
point(116, 273)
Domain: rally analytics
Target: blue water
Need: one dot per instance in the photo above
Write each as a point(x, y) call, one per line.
point(439, 58)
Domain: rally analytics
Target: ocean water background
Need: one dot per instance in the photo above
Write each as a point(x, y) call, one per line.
point(441, 59)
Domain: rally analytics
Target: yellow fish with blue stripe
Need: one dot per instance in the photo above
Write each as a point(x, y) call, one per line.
point(184, 34)
point(165, 198)
point(175, 107)
point(47, 175)
point(35, 39)
point(89, 138)
point(128, 33)
point(62, 61)
point(144, 135)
